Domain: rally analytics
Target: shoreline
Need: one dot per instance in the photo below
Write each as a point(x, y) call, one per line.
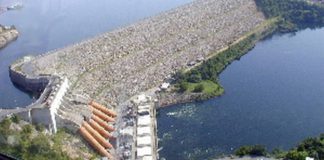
point(165, 98)
point(249, 39)
point(117, 65)
point(132, 65)
point(7, 35)
point(170, 98)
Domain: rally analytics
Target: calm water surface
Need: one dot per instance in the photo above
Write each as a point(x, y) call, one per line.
point(49, 24)
point(274, 96)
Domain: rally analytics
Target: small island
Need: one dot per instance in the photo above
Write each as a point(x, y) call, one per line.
point(7, 35)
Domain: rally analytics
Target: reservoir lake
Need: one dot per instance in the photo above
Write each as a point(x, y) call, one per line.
point(274, 96)
point(45, 25)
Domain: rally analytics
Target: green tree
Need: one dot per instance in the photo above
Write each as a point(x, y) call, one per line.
point(242, 151)
point(256, 150)
point(4, 127)
point(295, 155)
point(15, 118)
point(199, 88)
point(40, 127)
point(195, 77)
point(183, 86)
point(40, 145)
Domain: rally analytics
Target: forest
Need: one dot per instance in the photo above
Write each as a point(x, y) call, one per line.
point(295, 14)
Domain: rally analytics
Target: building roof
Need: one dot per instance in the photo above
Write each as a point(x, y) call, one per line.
point(141, 110)
point(144, 107)
point(147, 158)
point(143, 130)
point(144, 151)
point(144, 141)
point(165, 85)
point(144, 120)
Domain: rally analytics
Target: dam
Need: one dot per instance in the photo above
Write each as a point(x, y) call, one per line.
point(116, 66)
point(119, 64)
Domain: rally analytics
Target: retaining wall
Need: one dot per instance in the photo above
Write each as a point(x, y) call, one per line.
point(31, 84)
point(44, 110)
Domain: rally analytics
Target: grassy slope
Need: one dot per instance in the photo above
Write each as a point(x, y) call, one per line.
point(220, 59)
point(25, 141)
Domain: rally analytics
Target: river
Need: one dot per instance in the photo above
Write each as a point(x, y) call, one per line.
point(45, 25)
point(274, 96)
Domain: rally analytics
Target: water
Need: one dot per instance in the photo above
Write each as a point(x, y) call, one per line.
point(49, 24)
point(274, 96)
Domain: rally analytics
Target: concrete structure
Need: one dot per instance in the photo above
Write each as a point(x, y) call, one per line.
point(120, 64)
point(146, 138)
point(116, 66)
point(51, 108)
point(55, 108)
point(165, 86)
point(45, 109)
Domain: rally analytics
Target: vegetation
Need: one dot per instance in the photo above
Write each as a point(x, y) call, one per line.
point(206, 87)
point(199, 88)
point(204, 78)
point(256, 150)
point(292, 15)
point(295, 14)
point(283, 15)
point(27, 143)
point(15, 119)
point(310, 147)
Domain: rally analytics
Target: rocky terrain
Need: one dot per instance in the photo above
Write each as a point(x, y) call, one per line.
point(122, 63)
point(7, 34)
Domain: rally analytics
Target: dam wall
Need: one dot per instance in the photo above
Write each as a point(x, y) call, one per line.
point(118, 65)
point(31, 84)
point(52, 89)
point(55, 101)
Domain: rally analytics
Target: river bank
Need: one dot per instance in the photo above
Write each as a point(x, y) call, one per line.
point(241, 46)
point(7, 35)
point(200, 80)
point(40, 33)
point(116, 65)
point(122, 62)
point(274, 92)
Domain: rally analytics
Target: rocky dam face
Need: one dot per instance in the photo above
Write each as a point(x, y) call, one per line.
point(115, 66)
point(119, 64)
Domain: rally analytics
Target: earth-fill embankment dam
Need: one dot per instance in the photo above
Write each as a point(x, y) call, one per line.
point(117, 65)
point(132, 59)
